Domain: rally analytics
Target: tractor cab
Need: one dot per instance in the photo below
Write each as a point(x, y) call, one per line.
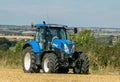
point(46, 34)
point(52, 37)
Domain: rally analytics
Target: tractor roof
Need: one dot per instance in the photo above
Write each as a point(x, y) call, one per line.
point(51, 25)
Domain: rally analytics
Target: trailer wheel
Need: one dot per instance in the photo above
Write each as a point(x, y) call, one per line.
point(50, 63)
point(28, 61)
point(82, 65)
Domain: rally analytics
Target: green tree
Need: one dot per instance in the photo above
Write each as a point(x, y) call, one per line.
point(14, 56)
point(84, 41)
point(4, 44)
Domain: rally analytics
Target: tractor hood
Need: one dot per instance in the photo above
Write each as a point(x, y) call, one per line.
point(65, 45)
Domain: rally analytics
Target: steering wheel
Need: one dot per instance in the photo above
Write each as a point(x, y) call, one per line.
point(55, 37)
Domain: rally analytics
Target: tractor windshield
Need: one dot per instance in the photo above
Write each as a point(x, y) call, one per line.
point(59, 33)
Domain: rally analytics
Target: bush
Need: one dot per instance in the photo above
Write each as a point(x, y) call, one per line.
point(101, 55)
point(5, 44)
point(84, 41)
point(12, 57)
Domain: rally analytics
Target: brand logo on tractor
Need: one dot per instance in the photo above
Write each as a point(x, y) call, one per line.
point(55, 45)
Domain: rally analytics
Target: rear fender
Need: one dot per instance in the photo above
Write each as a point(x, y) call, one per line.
point(35, 46)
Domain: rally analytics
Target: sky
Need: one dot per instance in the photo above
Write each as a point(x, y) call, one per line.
point(76, 13)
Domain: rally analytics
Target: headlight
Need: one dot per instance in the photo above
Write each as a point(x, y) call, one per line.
point(73, 48)
point(66, 48)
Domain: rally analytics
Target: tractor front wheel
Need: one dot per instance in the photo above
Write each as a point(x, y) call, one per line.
point(82, 65)
point(50, 63)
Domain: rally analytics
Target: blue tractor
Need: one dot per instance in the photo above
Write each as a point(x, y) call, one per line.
point(52, 52)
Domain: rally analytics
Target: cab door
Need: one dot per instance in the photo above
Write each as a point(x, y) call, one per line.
point(39, 37)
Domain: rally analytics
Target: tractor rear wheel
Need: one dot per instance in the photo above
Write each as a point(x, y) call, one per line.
point(82, 65)
point(50, 63)
point(29, 61)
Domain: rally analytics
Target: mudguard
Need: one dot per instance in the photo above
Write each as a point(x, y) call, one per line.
point(35, 46)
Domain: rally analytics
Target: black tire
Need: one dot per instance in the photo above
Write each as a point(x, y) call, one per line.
point(82, 65)
point(50, 63)
point(63, 70)
point(28, 61)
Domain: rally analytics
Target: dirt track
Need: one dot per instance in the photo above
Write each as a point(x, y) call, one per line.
point(14, 75)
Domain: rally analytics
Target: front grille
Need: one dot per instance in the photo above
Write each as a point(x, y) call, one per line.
point(62, 45)
point(70, 46)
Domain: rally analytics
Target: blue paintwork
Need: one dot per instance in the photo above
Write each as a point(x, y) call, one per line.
point(50, 25)
point(58, 44)
point(55, 44)
point(35, 46)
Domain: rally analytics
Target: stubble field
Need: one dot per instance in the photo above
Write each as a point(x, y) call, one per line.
point(17, 75)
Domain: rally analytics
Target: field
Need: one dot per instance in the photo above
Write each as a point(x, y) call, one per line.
point(17, 75)
point(16, 37)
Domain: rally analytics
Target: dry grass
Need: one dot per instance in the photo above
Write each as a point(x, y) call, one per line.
point(106, 71)
point(17, 75)
point(16, 37)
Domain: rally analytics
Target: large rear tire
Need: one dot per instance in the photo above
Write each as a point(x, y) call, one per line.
point(29, 61)
point(82, 65)
point(50, 63)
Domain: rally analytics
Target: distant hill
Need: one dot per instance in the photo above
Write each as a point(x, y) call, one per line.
point(14, 27)
point(14, 30)
point(22, 30)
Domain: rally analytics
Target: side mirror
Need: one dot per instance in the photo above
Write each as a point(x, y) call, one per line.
point(75, 30)
point(32, 24)
point(44, 22)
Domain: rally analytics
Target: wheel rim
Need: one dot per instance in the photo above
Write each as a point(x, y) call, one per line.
point(27, 61)
point(46, 68)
